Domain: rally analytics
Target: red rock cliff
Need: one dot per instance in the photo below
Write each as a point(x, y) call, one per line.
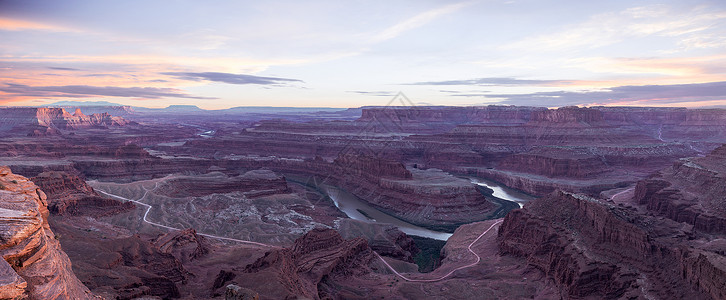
point(317, 258)
point(34, 264)
point(591, 248)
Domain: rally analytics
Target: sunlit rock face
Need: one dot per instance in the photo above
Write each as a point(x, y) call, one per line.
point(34, 265)
point(40, 121)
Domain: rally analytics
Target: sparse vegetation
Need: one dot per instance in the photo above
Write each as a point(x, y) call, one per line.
point(429, 258)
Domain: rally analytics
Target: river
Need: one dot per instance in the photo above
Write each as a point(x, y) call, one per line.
point(503, 192)
point(357, 209)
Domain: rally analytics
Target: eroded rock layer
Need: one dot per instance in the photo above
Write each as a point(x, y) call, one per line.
point(593, 248)
point(318, 257)
point(41, 121)
point(33, 264)
point(691, 191)
point(69, 194)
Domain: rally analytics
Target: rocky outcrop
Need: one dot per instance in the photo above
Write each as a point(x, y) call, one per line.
point(54, 118)
point(124, 267)
point(183, 244)
point(385, 239)
point(569, 114)
point(69, 194)
point(430, 198)
point(235, 292)
point(253, 184)
point(556, 164)
point(370, 167)
point(591, 248)
point(408, 117)
point(33, 265)
point(319, 256)
point(690, 191)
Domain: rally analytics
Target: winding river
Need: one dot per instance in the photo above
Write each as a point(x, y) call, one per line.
point(357, 209)
point(503, 192)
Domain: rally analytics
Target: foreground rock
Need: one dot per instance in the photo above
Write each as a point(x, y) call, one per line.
point(593, 248)
point(34, 264)
point(308, 268)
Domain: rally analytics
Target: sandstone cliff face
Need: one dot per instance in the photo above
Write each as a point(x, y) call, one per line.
point(69, 194)
point(591, 248)
point(53, 118)
point(690, 191)
point(307, 268)
point(385, 239)
point(562, 164)
point(34, 265)
point(451, 115)
point(570, 114)
point(431, 197)
point(184, 244)
point(253, 184)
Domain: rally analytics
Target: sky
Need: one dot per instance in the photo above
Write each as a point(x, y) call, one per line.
point(221, 54)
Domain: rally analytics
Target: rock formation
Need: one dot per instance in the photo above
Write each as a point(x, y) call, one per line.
point(318, 257)
point(254, 183)
point(691, 191)
point(184, 244)
point(33, 264)
point(69, 194)
point(592, 248)
point(53, 118)
point(385, 239)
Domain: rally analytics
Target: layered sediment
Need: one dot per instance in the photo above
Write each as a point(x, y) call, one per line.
point(310, 267)
point(593, 248)
point(690, 191)
point(34, 265)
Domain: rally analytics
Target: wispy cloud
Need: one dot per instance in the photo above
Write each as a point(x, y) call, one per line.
point(230, 78)
point(604, 29)
point(374, 93)
point(9, 24)
point(63, 69)
point(633, 94)
point(418, 21)
point(488, 81)
point(84, 91)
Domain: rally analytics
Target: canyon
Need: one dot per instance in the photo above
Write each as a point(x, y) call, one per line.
point(623, 202)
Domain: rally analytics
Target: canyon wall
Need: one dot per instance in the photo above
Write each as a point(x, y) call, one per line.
point(36, 118)
point(592, 248)
point(317, 266)
point(690, 191)
point(34, 265)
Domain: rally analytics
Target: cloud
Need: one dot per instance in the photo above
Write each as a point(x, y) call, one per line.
point(64, 69)
point(691, 28)
point(82, 91)
point(374, 93)
point(8, 24)
point(230, 78)
point(418, 21)
point(630, 94)
point(465, 93)
point(495, 81)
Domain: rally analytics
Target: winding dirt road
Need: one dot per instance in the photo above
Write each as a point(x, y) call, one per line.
point(148, 208)
point(478, 259)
